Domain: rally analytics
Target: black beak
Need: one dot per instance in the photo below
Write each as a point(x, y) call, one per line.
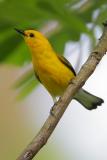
point(20, 31)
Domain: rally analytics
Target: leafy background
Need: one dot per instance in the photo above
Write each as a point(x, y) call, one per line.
point(62, 21)
point(72, 19)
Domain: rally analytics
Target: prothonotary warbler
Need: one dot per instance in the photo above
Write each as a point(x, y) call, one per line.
point(53, 70)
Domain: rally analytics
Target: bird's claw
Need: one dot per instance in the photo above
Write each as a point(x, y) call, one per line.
point(52, 111)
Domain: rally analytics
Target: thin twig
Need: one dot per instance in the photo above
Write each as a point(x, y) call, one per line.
point(87, 69)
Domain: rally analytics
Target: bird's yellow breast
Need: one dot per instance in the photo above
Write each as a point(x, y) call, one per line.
point(53, 74)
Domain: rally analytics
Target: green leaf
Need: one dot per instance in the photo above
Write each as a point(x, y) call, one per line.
point(22, 80)
point(27, 89)
point(8, 46)
point(26, 84)
point(87, 9)
point(102, 16)
point(20, 56)
point(67, 17)
point(59, 40)
point(18, 12)
point(4, 25)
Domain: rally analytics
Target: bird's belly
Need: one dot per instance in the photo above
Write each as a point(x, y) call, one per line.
point(55, 87)
point(55, 80)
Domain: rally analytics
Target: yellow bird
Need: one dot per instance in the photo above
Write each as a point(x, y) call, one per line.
point(53, 70)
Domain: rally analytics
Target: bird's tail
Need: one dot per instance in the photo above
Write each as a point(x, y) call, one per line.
point(88, 100)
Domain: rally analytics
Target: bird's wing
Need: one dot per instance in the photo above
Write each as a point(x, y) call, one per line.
point(67, 63)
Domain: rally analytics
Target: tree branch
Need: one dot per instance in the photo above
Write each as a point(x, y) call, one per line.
point(59, 108)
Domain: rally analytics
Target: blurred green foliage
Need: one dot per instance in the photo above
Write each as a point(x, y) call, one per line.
point(72, 17)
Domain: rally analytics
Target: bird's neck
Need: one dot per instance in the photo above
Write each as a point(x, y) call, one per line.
point(41, 49)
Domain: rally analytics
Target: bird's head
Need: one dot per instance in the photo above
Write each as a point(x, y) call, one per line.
point(36, 41)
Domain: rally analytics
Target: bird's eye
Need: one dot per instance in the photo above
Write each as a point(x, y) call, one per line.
point(31, 35)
